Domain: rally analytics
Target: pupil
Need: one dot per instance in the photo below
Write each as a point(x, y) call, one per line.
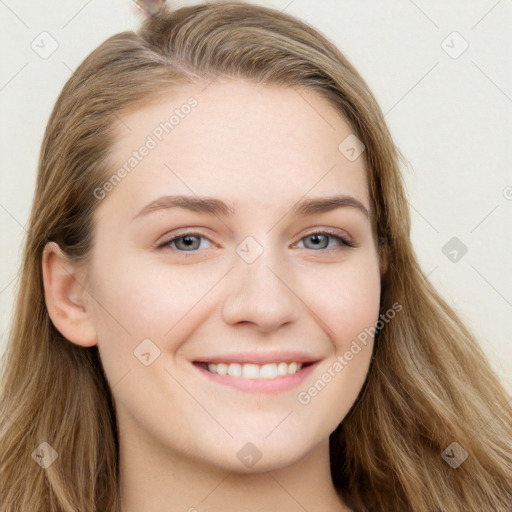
point(316, 239)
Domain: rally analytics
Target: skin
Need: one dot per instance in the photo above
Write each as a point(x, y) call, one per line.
point(261, 148)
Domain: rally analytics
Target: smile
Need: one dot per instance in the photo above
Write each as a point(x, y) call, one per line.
point(253, 371)
point(256, 373)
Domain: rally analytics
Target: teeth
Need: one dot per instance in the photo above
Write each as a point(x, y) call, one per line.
point(255, 371)
point(282, 369)
point(249, 371)
point(269, 371)
point(235, 370)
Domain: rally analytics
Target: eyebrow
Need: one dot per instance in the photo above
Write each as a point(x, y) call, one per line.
point(218, 207)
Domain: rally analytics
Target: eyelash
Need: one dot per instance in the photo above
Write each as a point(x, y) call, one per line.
point(343, 241)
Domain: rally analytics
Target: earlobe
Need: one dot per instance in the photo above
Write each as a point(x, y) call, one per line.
point(66, 297)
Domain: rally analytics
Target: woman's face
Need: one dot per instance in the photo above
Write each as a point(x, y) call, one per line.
point(248, 286)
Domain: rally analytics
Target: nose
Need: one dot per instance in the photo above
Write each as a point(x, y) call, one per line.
point(261, 293)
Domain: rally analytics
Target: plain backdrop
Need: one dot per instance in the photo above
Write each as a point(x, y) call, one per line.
point(440, 72)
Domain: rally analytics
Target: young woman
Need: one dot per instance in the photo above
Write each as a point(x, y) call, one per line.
point(220, 308)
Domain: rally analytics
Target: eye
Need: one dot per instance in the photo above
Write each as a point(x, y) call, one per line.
point(185, 242)
point(320, 238)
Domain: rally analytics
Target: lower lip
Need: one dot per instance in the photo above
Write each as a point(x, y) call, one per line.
point(267, 386)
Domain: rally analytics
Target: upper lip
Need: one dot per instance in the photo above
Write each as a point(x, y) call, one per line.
point(259, 358)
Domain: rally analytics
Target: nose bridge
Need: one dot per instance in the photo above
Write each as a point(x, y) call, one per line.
point(259, 291)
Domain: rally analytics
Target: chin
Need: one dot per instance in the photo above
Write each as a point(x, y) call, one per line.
point(259, 456)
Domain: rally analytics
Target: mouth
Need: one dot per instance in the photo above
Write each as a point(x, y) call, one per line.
point(269, 377)
point(254, 371)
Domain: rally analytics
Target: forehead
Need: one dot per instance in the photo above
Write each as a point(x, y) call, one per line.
point(236, 140)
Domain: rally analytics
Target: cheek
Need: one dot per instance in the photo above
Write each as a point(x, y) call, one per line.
point(348, 302)
point(350, 307)
point(136, 300)
point(346, 298)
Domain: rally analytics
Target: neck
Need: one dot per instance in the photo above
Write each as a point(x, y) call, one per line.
point(156, 481)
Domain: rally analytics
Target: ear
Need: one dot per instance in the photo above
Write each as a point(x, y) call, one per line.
point(66, 297)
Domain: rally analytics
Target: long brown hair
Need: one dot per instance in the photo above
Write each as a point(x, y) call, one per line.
point(429, 384)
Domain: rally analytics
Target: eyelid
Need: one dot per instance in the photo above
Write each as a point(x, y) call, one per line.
point(163, 241)
point(343, 235)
